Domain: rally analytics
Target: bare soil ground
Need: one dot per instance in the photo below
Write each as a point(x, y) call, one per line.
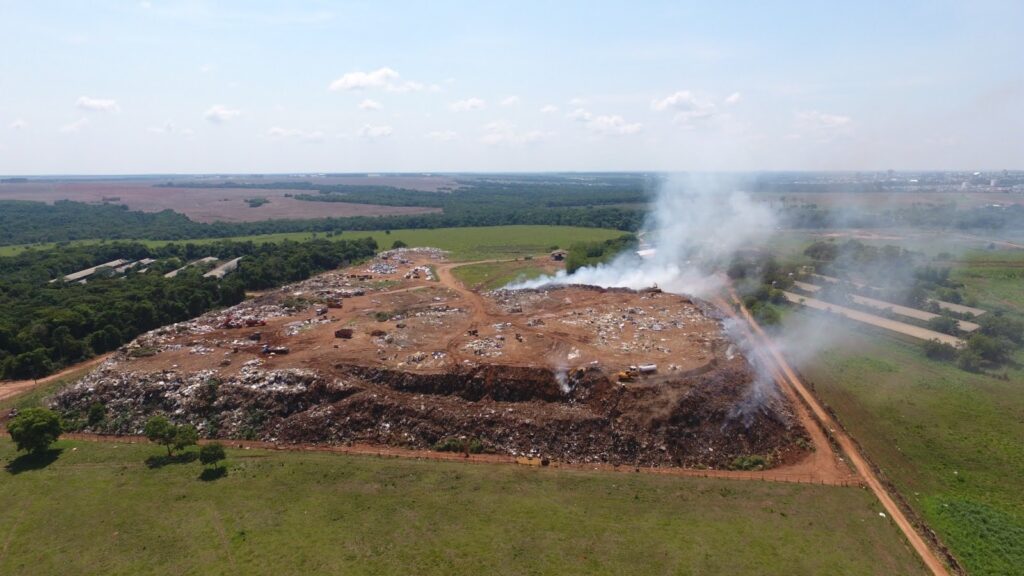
point(522, 373)
point(200, 204)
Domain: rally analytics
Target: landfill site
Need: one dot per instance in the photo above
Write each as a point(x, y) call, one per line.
point(396, 352)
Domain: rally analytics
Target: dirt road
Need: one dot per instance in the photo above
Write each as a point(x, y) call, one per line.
point(846, 444)
point(11, 388)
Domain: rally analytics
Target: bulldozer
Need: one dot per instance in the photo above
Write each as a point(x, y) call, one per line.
point(628, 375)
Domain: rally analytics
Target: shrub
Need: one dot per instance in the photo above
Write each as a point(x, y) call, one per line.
point(398, 244)
point(211, 454)
point(751, 462)
point(469, 446)
point(969, 360)
point(97, 414)
point(945, 325)
point(939, 351)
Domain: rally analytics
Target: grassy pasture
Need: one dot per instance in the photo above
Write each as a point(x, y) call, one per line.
point(98, 509)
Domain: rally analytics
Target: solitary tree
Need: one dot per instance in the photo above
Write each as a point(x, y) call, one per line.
point(159, 430)
point(34, 429)
point(211, 454)
point(186, 435)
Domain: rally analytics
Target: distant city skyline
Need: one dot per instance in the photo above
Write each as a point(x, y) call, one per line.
point(129, 87)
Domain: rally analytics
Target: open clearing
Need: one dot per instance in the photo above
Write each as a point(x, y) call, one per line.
point(471, 243)
point(286, 513)
point(199, 204)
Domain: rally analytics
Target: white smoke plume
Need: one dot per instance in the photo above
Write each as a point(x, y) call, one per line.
point(695, 221)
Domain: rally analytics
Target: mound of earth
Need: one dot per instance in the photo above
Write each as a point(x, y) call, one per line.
point(396, 352)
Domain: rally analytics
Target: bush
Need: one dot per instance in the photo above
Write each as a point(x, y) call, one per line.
point(468, 446)
point(939, 351)
point(752, 462)
point(97, 414)
point(398, 244)
point(945, 325)
point(969, 360)
point(211, 454)
point(995, 350)
point(34, 429)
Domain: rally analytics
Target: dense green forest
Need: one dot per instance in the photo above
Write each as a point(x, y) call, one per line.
point(45, 326)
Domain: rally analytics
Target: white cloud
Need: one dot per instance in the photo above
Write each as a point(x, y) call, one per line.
point(467, 104)
point(580, 115)
point(370, 131)
point(577, 102)
point(822, 126)
point(379, 78)
point(613, 125)
point(510, 101)
point(368, 104)
point(733, 98)
point(19, 124)
point(688, 107)
point(549, 109)
point(170, 128)
point(815, 119)
point(97, 104)
point(207, 68)
point(219, 114)
point(75, 126)
point(382, 78)
point(442, 135)
point(278, 132)
point(504, 133)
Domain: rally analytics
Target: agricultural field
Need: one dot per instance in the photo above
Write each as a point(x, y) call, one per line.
point(292, 512)
point(470, 243)
point(199, 204)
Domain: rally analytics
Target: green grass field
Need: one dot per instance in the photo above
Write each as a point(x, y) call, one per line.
point(951, 441)
point(98, 509)
point(476, 243)
point(492, 275)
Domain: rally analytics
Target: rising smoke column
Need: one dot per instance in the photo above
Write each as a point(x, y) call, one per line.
point(696, 224)
point(696, 221)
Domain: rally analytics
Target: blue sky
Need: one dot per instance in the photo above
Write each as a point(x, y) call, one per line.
point(105, 87)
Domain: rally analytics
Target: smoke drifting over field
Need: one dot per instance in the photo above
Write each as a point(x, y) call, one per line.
point(695, 221)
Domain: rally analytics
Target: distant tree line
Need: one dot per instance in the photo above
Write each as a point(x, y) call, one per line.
point(45, 326)
point(24, 222)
